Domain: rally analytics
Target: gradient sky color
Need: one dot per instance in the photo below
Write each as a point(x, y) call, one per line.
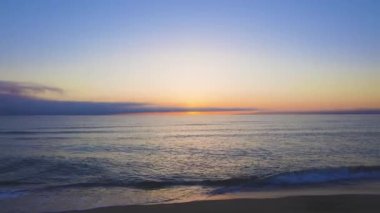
point(275, 55)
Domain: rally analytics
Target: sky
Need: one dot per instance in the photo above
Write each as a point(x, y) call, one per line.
point(184, 55)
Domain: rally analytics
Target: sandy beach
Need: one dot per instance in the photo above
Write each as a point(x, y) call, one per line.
point(327, 204)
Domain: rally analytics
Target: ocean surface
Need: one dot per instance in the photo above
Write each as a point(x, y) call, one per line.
point(54, 163)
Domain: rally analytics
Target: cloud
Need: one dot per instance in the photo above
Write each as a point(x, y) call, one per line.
point(16, 88)
point(20, 99)
point(343, 111)
point(21, 105)
point(326, 112)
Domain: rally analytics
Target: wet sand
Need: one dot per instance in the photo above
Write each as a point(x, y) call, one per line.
point(325, 203)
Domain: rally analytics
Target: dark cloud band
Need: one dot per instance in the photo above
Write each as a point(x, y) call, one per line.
point(16, 88)
point(19, 99)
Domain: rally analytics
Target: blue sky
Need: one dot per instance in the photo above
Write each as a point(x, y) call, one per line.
point(197, 53)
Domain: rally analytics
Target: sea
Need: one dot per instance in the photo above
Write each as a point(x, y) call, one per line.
point(60, 163)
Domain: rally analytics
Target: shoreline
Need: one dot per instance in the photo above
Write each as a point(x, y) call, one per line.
point(297, 199)
point(310, 203)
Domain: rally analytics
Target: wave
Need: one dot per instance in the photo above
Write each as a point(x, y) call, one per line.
point(53, 132)
point(84, 173)
point(6, 194)
point(90, 127)
point(16, 183)
point(314, 176)
point(150, 184)
point(294, 178)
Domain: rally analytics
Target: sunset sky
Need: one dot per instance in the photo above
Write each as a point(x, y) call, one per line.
point(285, 55)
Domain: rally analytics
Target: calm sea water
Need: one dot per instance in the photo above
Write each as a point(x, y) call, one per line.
point(71, 162)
